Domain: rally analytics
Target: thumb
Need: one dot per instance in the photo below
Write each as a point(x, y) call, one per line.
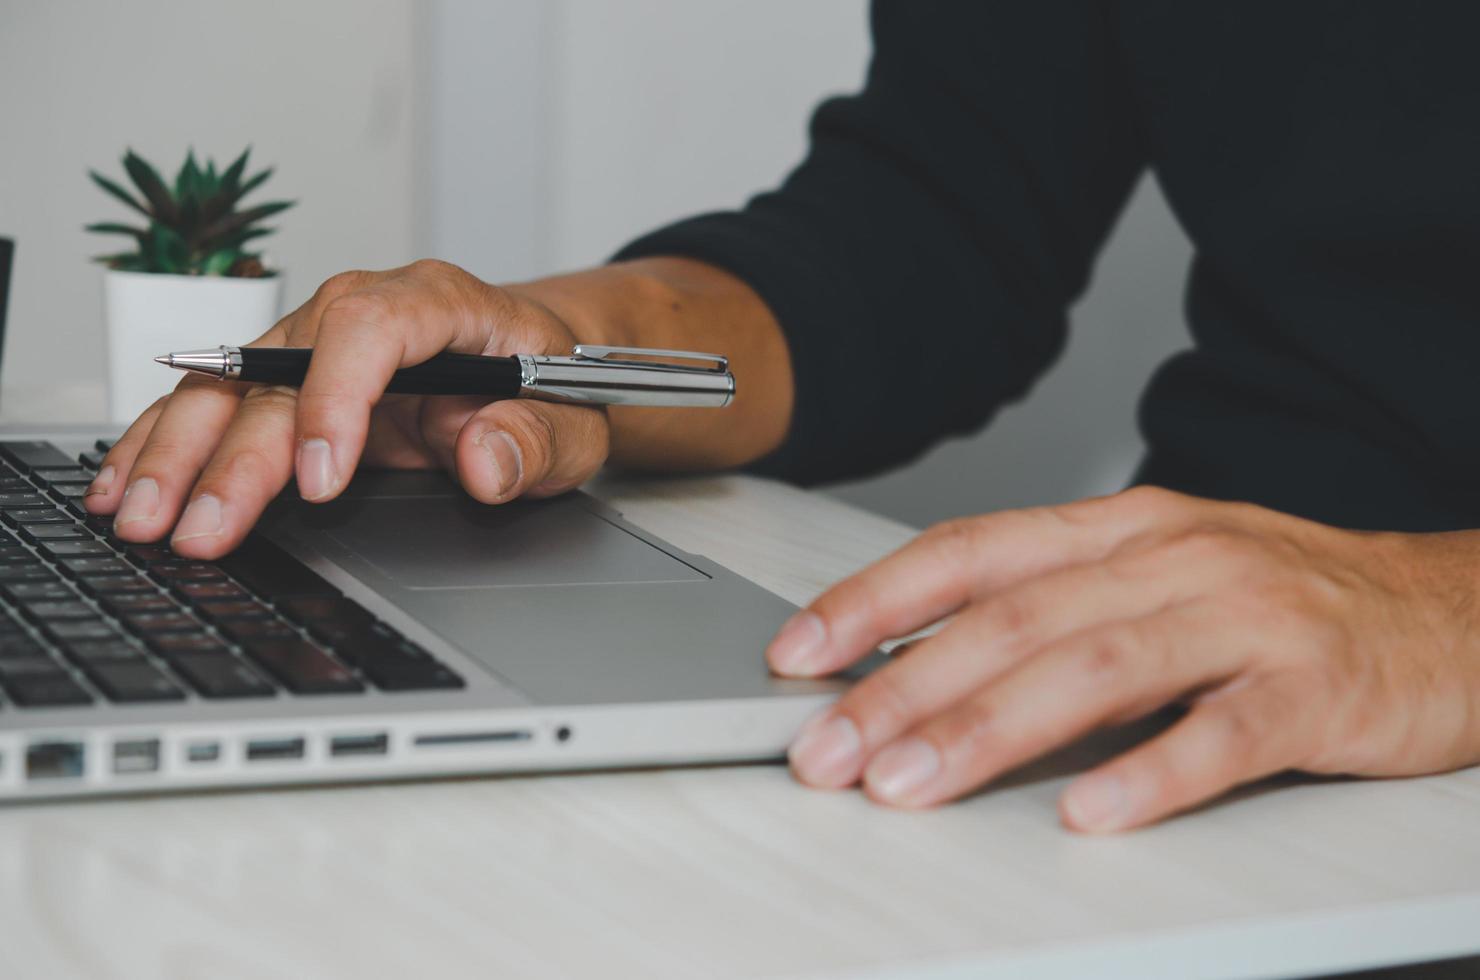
point(511, 448)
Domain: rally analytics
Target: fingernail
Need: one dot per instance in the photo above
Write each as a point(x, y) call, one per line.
point(315, 469)
point(103, 482)
point(140, 502)
point(504, 456)
point(797, 648)
point(902, 768)
point(1096, 802)
point(201, 519)
point(825, 752)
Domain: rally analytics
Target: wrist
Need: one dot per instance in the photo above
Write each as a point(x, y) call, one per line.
point(615, 306)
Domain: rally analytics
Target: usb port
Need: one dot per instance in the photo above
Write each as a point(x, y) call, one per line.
point(343, 745)
point(54, 760)
point(270, 749)
point(136, 755)
point(198, 753)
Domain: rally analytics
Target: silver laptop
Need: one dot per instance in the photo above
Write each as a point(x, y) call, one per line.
point(401, 631)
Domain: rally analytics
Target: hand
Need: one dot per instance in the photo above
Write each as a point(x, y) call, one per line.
point(1295, 645)
point(228, 448)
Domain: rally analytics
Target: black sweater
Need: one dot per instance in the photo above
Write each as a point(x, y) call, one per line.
point(1323, 157)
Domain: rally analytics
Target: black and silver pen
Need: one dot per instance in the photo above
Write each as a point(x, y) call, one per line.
point(590, 375)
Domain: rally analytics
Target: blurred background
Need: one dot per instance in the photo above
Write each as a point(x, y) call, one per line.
point(515, 138)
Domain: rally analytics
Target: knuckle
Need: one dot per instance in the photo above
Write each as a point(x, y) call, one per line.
point(355, 310)
point(247, 465)
point(341, 283)
point(1107, 658)
point(536, 435)
point(880, 704)
point(1012, 616)
point(961, 731)
point(434, 268)
point(1149, 499)
point(956, 539)
point(1209, 543)
point(269, 399)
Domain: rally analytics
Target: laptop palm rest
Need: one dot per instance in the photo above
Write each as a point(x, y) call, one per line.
point(423, 543)
point(556, 597)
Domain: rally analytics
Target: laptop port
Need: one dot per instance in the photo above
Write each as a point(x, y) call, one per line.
point(351, 745)
point(198, 753)
point(54, 760)
point(136, 755)
point(475, 738)
point(274, 749)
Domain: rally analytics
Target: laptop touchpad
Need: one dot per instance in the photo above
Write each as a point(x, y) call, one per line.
point(454, 542)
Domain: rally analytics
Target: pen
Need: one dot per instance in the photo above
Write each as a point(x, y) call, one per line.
point(592, 375)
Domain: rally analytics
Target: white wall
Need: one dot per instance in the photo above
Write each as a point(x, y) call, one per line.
point(322, 89)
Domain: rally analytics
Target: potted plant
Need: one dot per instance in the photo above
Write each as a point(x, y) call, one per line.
point(192, 278)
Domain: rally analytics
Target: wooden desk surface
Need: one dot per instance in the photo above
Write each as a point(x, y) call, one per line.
point(735, 871)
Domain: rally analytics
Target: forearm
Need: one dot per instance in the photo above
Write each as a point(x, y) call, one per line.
point(685, 305)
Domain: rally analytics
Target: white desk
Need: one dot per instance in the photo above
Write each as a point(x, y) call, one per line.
point(735, 872)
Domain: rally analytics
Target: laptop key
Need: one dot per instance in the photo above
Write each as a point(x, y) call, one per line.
point(105, 585)
point(244, 631)
point(91, 548)
point(62, 474)
point(67, 491)
point(122, 603)
point(195, 592)
point(54, 591)
point(47, 691)
point(145, 555)
point(19, 646)
point(37, 533)
point(20, 518)
point(78, 631)
point(411, 675)
point(160, 622)
point(172, 645)
point(91, 459)
point(220, 676)
point(13, 483)
point(131, 683)
point(11, 574)
point(221, 610)
point(62, 609)
point(272, 573)
point(33, 454)
point(189, 571)
point(94, 566)
point(107, 651)
point(302, 667)
point(23, 501)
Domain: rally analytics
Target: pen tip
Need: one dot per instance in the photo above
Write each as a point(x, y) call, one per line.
point(165, 359)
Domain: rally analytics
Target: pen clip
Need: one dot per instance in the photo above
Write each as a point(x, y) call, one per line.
point(718, 364)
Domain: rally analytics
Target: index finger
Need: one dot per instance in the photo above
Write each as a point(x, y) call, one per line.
point(941, 570)
point(361, 338)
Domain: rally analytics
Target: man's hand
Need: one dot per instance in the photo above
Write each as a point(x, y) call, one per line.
point(212, 455)
point(1295, 645)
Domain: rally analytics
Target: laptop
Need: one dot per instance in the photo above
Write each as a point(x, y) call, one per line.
point(401, 631)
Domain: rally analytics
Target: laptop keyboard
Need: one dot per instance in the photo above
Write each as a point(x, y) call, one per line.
point(88, 619)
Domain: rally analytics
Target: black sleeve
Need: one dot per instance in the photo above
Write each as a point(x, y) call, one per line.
point(922, 257)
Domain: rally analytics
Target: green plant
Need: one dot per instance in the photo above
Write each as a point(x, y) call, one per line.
point(194, 228)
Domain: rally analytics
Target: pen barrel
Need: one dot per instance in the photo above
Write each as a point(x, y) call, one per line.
point(445, 374)
point(459, 374)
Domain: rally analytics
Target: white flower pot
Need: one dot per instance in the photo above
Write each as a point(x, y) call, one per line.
point(148, 314)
